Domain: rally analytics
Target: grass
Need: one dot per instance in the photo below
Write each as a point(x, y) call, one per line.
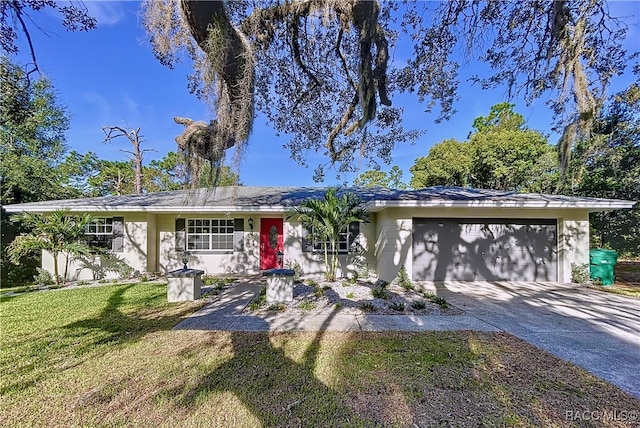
point(627, 282)
point(625, 291)
point(107, 356)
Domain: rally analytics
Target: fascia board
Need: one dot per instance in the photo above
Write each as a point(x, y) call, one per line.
point(592, 205)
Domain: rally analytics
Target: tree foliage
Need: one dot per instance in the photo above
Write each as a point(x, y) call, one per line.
point(59, 233)
point(448, 164)
point(320, 71)
point(327, 218)
point(502, 154)
point(608, 166)
point(378, 178)
point(32, 138)
point(106, 177)
point(506, 155)
point(15, 19)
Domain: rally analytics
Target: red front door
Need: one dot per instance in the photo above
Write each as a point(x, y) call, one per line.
point(270, 242)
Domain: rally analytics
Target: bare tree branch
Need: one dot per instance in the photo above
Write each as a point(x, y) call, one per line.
point(136, 140)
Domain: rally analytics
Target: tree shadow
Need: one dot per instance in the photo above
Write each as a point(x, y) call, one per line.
point(276, 389)
point(113, 326)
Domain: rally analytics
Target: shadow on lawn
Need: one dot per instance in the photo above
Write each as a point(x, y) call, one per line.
point(114, 326)
point(64, 347)
point(276, 389)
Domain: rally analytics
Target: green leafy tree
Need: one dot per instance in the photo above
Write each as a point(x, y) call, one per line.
point(377, 178)
point(447, 164)
point(506, 155)
point(173, 173)
point(58, 233)
point(329, 217)
point(32, 138)
point(112, 178)
point(608, 166)
point(33, 129)
point(501, 153)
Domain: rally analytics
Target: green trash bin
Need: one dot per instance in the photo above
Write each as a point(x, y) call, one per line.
point(601, 265)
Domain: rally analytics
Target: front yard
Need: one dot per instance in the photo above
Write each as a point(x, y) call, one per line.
point(107, 356)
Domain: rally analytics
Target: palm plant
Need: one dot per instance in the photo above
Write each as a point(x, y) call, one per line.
point(58, 233)
point(327, 219)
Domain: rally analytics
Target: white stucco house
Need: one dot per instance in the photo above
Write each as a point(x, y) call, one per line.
point(438, 233)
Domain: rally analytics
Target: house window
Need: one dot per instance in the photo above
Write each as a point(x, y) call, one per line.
point(345, 243)
point(210, 234)
point(99, 233)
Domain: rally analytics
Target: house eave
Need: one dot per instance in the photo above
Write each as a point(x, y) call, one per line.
point(592, 206)
point(373, 206)
point(151, 210)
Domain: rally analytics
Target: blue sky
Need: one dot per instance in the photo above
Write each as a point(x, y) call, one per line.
point(109, 76)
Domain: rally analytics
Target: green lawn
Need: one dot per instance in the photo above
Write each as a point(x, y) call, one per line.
point(107, 356)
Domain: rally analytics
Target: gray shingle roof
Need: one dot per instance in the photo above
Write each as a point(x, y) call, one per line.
point(239, 198)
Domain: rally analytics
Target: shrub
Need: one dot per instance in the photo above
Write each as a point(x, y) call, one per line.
point(259, 300)
point(365, 271)
point(379, 293)
point(382, 284)
point(399, 306)
point(318, 291)
point(124, 270)
point(307, 305)
point(350, 296)
point(440, 301)
point(346, 284)
point(278, 307)
point(418, 304)
point(580, 274)
point(312, 283)
point(216, 282)
point(338, 306)
point(367, 307)
point(297, 269)
point(43, 277)
point(403, 279)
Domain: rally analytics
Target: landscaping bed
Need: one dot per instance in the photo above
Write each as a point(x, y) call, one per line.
point(357, 297)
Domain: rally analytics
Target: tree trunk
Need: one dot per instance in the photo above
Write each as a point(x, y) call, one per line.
point(138, 161)
point(66, 267)
point(56, 272)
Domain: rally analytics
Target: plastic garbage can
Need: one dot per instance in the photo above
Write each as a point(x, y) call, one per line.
point(601, 265)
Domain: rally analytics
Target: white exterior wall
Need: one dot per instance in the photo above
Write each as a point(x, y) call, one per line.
point(393, 243)
point(211, 262)
point(149, 243)
point(573, 242)
point(134, 253)
point(312, 263)
point(248, 261)
point(394, 234)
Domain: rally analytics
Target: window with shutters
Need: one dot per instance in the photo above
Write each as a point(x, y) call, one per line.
point(210, 234)
point(346, 243)
point(99, 233)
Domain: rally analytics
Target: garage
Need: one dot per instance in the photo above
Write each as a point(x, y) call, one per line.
point(474, 249)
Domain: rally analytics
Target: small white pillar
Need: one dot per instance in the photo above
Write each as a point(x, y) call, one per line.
point(279, 285)
point(184, 285)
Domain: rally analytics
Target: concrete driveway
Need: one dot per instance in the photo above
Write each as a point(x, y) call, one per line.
point(597, 331)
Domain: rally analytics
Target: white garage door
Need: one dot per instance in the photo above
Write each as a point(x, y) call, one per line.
point(484, 249)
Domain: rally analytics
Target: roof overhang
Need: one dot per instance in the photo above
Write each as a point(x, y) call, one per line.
point(592, 205)
point(374, 206)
